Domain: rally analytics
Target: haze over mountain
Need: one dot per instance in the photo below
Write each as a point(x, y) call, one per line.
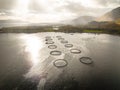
point(82, 20)
point(110, 16)
point(109, 21)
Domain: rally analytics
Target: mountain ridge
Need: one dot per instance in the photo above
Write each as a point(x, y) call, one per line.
point(113, 15)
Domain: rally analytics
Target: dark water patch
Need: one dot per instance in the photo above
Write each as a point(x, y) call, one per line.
point(63, 84)
point(11, 74)
point(28, 84)
point(94, 82)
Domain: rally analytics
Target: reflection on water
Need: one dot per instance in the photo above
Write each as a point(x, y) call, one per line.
point(84, 45)
point(38, 72)
point(59, 72)
point(33, 44)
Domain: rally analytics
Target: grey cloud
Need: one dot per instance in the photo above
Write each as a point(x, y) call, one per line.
point(7, 4)
point(6, 13)
point(34, 6)
point(108, 2)
point(70, 6)
point(80, 10)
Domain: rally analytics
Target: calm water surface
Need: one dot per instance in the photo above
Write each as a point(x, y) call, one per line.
point(59, 61)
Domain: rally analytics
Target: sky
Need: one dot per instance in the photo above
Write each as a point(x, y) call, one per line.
point(47, 11)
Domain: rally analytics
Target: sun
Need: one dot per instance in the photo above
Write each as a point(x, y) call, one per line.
point(21, 7)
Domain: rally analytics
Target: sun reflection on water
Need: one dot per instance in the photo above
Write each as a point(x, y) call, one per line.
point(33, 44)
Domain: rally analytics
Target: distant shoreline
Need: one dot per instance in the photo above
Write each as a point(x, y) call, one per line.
point(65, 29)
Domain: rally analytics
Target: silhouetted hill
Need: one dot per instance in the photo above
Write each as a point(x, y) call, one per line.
point(111, 27)
point(109, 21)
point(110, 16)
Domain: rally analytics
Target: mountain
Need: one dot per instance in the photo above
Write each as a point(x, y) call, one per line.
point(113, 15)
point(82, 20)
point(109, 21)
point(118, 21)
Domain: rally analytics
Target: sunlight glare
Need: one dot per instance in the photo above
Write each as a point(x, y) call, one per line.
point(33, 46)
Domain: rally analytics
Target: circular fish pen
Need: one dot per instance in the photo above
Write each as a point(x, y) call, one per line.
point(49, 42)
point(64, 41)
point(71, 34)
point(60, 63)
point(61, 39)
point(56, 53)
point(49, 39)
point(86, 60)
point(68, 45)
point(58, 36)
point(52, 46)
point(75, 51)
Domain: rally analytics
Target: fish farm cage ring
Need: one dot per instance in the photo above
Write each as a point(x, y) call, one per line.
point(63, 41)
point(68, 45)
point(48, 39)
point(86, 60)
point(49, 42)
point(75, 51)
point(52, 46)
point(58, 36)
point(56, 53)
point(60, 63)
point(71, 34)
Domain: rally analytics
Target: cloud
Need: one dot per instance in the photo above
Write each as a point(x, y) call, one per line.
point(108, 2)
point(7, 4)
point(81, 10)
point(59, 9)
point(73, 6)
point(37, 6)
